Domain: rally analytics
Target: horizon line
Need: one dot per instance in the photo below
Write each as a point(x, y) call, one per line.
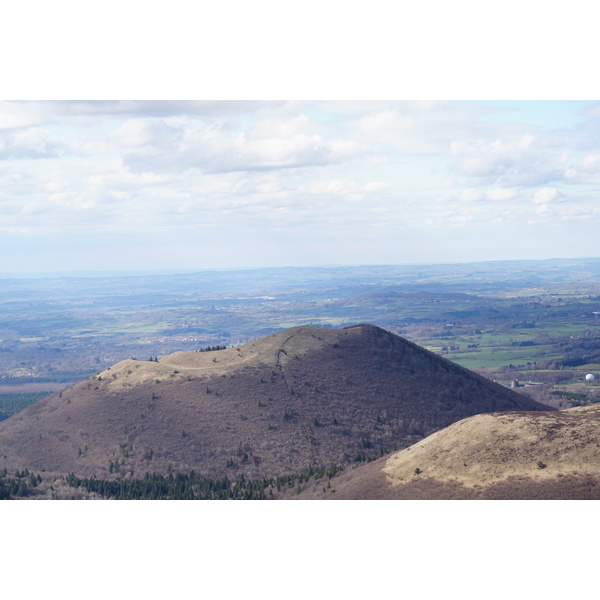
point(157, 272)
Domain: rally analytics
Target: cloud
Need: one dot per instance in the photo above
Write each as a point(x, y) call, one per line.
point(593, 110)
point(556, 214)
point(146, 134)
point(342, 186)
point(418, 127)
point(165, 108)
point(591, 163)
point(486, 158)
point(500, 195)
point(22, 114)
point(512, 162)
point(494, 195)
point(586, 171)
point(30, 143)
point(155, 145)
point(471, 195)
point(546, 196)
point(16, 114)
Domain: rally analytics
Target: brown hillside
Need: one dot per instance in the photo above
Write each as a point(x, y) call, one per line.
point(509, 455)
point(273, 406)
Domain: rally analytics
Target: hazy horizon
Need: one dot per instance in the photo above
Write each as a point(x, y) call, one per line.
point(158, 272)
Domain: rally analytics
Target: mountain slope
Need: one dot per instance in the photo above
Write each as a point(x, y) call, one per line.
point(273, 406)
point(507, 455)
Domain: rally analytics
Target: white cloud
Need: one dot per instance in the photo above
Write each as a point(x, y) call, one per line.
point(152, 144)
point(341, 186)
point(387, 124)
point(500, 195)
point(337, 186)
point(30, 143)
point(547, 195)
point(594, 110)
point(21, 114)
point(375, 186)
point(145, 135)
point(591, 163)
point(278, 127)
point(471, 195)
point(17, 114)
point(512, 161)
point(567, 213)
point(489, 158)
point(586, 171)
point(418, 127)
point(494, 195)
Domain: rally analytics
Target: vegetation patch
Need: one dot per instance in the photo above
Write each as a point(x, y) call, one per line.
point(11, 404)
point(193, 486)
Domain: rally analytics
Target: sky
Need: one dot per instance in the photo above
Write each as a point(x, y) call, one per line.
point(247, 136)
point(147, 185)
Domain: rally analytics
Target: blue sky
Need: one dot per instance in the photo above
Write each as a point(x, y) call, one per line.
point(191, 185)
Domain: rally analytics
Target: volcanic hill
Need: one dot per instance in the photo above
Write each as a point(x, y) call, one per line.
point(506, 455)
point(300, 397)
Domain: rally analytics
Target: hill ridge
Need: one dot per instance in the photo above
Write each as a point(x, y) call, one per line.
point(299, 397)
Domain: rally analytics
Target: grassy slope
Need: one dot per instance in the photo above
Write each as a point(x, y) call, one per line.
point(495, 456)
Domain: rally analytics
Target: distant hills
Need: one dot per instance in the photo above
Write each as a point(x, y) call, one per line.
point(278, 405)
point(506, 455)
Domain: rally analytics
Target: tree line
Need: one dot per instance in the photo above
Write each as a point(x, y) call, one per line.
point(174, 486)
point(212, 348)
point(193, 486)
point(19, 485)
point(11, 404)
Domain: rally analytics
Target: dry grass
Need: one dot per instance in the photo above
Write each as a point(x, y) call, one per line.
point(272, 351)
point(491, 448)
